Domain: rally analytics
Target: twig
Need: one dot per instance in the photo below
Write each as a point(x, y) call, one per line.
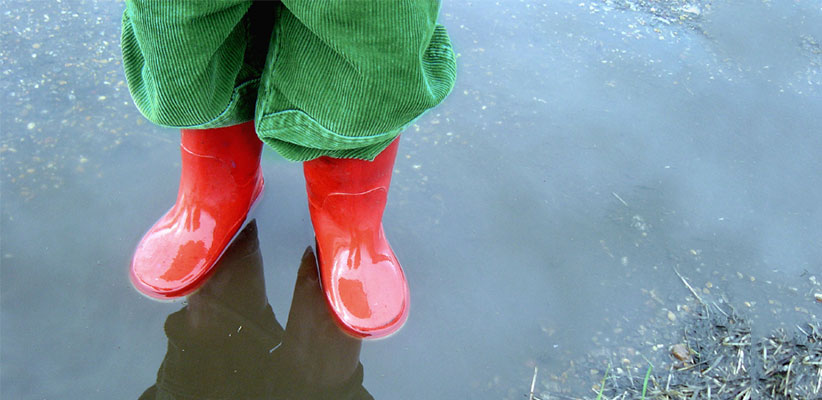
point(630, 376)
point(728, 303)
point(739, 363)
point(620, 199)
point(747, 392)
point(721, 310)
point(802, 330)
point(788, 375)
point(614, 380)
point(533, 383)
point(718, 360)
point(689, 287)
point(814, 333)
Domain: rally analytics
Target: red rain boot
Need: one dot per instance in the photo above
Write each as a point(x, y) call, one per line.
point(220, 182)
point(362, 279)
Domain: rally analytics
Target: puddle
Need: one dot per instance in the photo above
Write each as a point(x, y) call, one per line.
point(589, 152)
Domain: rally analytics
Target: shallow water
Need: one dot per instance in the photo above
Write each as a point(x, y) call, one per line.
point(588, 149)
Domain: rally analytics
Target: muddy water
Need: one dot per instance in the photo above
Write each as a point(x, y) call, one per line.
point(588, 150)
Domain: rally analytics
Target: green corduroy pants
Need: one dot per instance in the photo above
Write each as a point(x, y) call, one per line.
point(339, 78)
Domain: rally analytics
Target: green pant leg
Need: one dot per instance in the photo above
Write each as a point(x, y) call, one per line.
point(195, 64)
point(343, 78)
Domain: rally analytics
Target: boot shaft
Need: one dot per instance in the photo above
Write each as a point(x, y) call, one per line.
point(230, 141)
point(220, 157)
point(325, 176)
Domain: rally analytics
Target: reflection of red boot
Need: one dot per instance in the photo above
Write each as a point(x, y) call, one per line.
point(220, 183)
point(362, 279)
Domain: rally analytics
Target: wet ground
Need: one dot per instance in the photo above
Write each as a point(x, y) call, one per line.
point(589, 151)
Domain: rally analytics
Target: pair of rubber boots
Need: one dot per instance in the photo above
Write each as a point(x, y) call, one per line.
point(220, 184)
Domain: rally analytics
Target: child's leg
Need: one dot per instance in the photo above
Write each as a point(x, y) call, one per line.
point(196, 65)
point(342, 80)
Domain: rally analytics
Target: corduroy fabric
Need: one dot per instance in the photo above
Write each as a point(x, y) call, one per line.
point(339, 78)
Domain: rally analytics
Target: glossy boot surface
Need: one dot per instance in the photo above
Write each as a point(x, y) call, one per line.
point(362, 280)
point(220, 182)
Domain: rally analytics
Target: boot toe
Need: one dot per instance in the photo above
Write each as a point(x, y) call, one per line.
point(167, 264)
point(369, 301)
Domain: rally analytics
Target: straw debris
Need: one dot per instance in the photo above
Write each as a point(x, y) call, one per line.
point(718, 358)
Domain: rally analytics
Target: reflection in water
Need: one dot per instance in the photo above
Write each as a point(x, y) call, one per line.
point(226, 342)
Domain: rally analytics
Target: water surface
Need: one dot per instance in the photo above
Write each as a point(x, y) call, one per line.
point(588, 149)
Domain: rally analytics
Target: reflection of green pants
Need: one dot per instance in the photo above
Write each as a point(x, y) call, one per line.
point(319, 77)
